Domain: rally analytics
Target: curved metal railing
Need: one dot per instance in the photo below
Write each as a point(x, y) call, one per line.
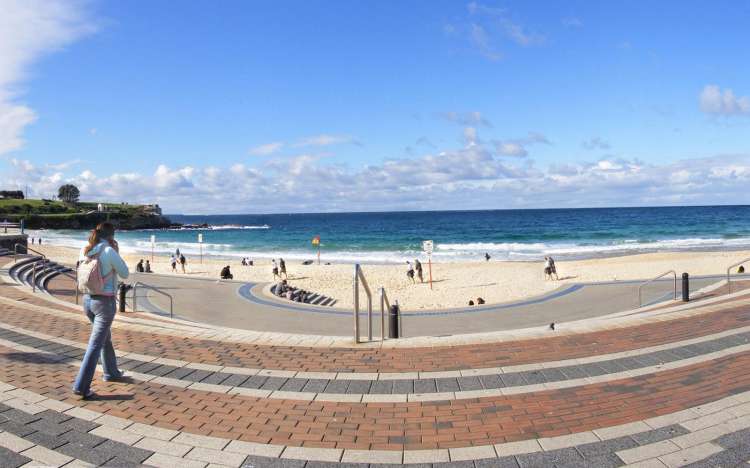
point(152, 288)
point(15, 251)
point(33, 272)
point(640, 288)
point(729, 270)
point(359, 279)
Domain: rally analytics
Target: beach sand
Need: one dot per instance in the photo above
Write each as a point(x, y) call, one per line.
point(454, 284)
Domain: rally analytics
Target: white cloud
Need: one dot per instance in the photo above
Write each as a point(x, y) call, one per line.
point(713, 100)
point(267, 149)
point(326, 140)
point(596, 143)
point(518, 146)
point(466, 118)
point(572, 22)
point(29, 29)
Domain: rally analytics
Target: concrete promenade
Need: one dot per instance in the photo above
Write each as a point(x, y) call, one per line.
point(664, 386)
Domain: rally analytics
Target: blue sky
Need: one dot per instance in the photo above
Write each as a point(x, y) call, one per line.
point(338, 106)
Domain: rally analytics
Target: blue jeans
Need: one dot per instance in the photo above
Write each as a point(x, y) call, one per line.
point(100, 310)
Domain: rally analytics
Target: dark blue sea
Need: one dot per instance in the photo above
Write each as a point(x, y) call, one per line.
point(520, 235)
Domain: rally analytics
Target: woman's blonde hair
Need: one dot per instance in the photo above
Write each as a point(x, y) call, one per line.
point(103, 231)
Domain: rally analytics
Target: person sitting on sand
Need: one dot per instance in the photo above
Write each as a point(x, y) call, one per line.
point(410, 272)
point(244, 261)
point(471, 302)
point(173, 261)
point(226, 273)
point(148, 267)
point(139, 266)
point(547, 269)
point(418, 267)
point(183, 261)
point(480, 301)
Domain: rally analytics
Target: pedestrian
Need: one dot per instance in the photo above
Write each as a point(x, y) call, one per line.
point(40, 241)
point(173, 261)
point(553, 269)
point(547, 269)
point(410, 272)
point(101, 264)
point(177, 253)
point(282, 268)
point(487, 257)
point(32, 241)
point(183, 261)
point(418, 267)
point(275, 269)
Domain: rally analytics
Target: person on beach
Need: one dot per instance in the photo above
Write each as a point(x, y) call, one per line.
point(418, 267)
point(487, 257)
point(148, 267)
point(410, 272)
point(173, 261)
point(40, 241)
point(552, 269)
point(32, 241)
point(244, 261)
point(275, 269)
point(547, 269)
point(139, 266)
point(100, 309)
point(282, 268)
point(177, 253)
point(226, 273)
point(183, 261)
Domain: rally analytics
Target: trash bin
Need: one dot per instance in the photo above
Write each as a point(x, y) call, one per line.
point(685, 287)
point(393, 318)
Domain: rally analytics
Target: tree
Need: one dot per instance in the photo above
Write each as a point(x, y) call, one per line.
point(68, 193)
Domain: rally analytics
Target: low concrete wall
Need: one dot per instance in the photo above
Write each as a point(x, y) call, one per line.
point(8, 241)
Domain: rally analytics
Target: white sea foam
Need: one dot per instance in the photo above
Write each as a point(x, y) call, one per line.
point(444, 252)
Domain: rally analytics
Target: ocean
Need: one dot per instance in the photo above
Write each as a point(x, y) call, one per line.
point(393, 237)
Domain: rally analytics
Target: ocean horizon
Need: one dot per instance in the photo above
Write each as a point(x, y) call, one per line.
point(396, 236)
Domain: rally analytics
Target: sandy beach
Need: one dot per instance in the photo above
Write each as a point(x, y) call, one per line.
point(454, 284)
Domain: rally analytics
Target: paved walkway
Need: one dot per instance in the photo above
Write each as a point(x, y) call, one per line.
point(246, 306)
point(666, 387)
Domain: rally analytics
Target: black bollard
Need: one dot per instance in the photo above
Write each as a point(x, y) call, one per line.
point(393, 321)
point(123, 290)
point(685, 287)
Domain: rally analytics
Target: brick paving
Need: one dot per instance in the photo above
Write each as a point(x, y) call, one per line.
point(383, 359)
point(392, 426)
point(697, 413)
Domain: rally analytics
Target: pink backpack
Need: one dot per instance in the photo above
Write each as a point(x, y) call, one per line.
point(90, 279)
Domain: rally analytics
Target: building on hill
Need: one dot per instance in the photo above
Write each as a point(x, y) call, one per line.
point(11, 194)
point(152, 209)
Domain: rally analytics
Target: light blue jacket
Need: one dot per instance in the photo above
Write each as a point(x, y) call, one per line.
point(109, 261)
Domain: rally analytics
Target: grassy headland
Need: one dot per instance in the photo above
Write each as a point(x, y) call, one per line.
point(53, 214)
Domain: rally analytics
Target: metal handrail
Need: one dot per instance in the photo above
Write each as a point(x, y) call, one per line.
point(384, 305)
point(33, 272)
point(153, 288)
point(74, 278)
point(640, 297)
point(15, 251)
point(359, 278)
point(729, 269)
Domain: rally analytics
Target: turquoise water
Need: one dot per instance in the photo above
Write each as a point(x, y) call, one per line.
point(458, 235)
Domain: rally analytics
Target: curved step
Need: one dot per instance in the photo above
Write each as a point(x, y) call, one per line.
point(18, 268)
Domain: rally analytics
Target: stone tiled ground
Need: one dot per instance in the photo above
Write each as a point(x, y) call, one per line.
point(695, 412)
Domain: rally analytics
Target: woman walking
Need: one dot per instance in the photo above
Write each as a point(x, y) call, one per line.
point(102, 254)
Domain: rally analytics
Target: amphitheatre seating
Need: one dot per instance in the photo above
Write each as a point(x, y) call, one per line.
point(22, 271)
point(310, 297)
point(667, 389)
